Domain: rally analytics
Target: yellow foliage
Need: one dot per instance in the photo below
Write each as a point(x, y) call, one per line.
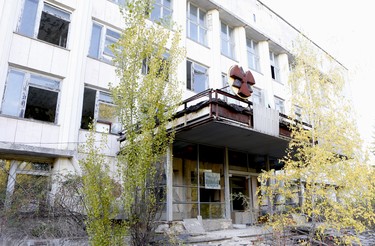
point(324, 161)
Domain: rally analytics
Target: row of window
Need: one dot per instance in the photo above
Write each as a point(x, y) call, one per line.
point(51, 24)
point(197, 31)
point(34, 96)
point(197, 80)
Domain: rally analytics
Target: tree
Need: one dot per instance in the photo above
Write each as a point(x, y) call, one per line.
point(147, 96)
point(98, 195)
point(147, 56)
point(324, 177)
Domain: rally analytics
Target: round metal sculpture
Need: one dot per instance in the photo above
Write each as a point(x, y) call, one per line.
point(241, 81)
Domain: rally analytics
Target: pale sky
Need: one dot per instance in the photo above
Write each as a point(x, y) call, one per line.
point(346, 30)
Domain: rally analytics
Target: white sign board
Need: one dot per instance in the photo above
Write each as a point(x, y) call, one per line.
point(212, 180)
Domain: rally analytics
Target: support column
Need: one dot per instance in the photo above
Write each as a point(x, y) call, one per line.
point(226, 185)
point(169, 182)
point(268, 168)
point(11, 183)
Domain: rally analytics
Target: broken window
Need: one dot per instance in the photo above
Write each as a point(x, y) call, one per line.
point(50, 25)
point(162, 67)
point(275, 71)
point(98, 108)
point(102, 38)
point(31, 96)
point(196, 77)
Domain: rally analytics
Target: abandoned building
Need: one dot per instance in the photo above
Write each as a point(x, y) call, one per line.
point(55, 66)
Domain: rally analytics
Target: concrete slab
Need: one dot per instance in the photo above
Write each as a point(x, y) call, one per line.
point(193, 226)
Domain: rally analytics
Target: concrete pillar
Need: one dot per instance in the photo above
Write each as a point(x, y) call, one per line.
point(9, 11)
point(226, 185)
point(11, 183)
point(284, 68)
point(265, 69)
point(283, 60)
point(214, 25)
point(169, 182)
point(241, 47)
point(179, 16)
point(72, 86)
point(268, 168)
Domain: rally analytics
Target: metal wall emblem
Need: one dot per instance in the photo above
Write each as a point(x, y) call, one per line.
point(241, 81)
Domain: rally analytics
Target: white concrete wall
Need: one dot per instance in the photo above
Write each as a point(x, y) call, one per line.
point(75, 69)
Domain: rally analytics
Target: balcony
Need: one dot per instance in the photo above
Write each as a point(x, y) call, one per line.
point(218, 118)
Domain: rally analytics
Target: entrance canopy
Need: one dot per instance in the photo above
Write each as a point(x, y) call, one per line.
point(217, 118)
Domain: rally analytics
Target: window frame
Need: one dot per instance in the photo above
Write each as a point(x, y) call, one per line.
point(198, 24)
point(100, 51)
point(192, 80)
point(37, 20)
point(275, 69)
point(118, 2)
point(279, 104)
point(298, 113)
point(257, 93)
point(145, 69)
point(252, 54)
point(24, 93)
point(101, 125)
point(163, 8)
point(227, 40)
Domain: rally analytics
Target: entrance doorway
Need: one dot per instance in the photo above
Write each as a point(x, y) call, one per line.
point(239, 189)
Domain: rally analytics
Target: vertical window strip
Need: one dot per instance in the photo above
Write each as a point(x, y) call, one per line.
point(252, 55)
point(197, 29)
point(28, 18)
point(13, 93)
point(227, 41)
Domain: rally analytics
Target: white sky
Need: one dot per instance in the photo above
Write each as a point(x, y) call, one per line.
point(346, 30)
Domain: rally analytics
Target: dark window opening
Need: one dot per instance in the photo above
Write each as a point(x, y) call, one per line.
point(163, 69)
point(188, 75)
point(88, 108)
point(53, 29)
point(237, 158)
point(208, 195)
point(238, 186)
point(145, 68)
point(41, 104)
point(273, 75)
point(211, 154)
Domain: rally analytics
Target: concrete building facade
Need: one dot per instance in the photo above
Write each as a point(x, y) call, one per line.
point(55, 66)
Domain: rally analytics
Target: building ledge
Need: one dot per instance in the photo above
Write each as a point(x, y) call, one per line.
point(18, 151)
